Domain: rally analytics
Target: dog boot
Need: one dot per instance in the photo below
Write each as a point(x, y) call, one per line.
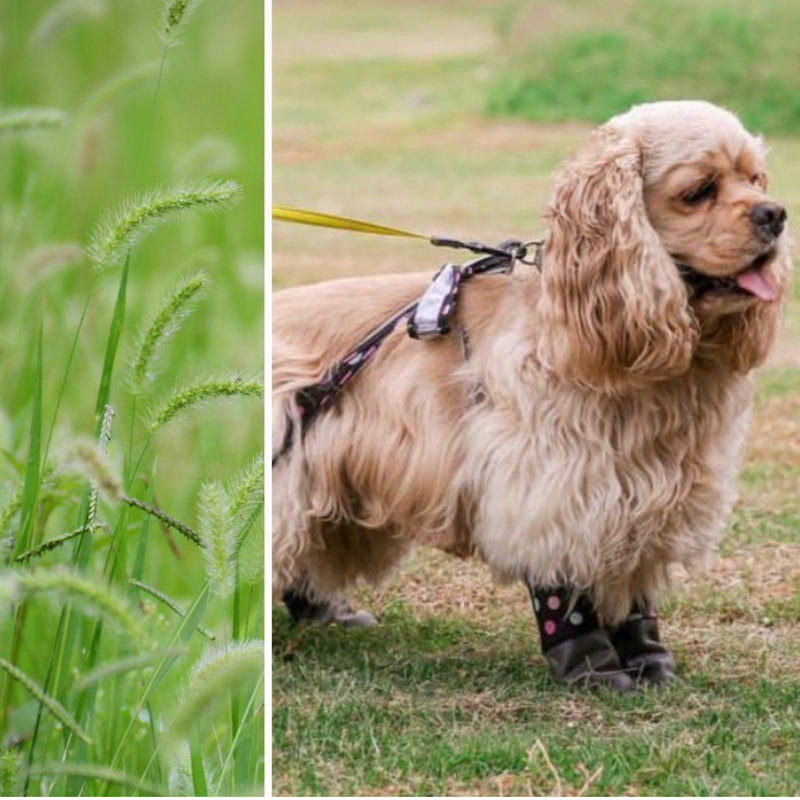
point(302, 609)
point(640, 649)
point(576, 646)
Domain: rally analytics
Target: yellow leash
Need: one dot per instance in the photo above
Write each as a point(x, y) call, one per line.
point(302, 217)
point(513, 250)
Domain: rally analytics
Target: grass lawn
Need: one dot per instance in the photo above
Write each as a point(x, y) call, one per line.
point(380, 112)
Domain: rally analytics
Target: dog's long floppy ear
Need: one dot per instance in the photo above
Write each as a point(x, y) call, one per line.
point(613, 309)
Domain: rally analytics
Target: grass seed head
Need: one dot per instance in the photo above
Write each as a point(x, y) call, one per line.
point(61, 15)
point(222, 670)
point(198, 393)
point(94, 596)
point(166, 321)
point(120, 229)
point(87, 458)
point(246, 495)
point(15, 121)
point(46, 261)
point(50, 703)
point(118, 87)
point(218, 535)
point(176, 15)
point(211, 155)
point(12, 773)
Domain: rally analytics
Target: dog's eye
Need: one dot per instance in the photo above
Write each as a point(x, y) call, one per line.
point(705, 191)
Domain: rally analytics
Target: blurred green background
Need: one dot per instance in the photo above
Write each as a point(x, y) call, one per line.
point(97, 60)
point(451, 118)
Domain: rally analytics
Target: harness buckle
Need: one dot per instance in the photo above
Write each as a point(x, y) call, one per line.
point(432, 314)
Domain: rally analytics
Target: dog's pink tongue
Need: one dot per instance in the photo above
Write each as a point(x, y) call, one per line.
point(759, 284)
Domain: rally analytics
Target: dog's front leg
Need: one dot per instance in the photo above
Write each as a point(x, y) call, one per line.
point(577, 647)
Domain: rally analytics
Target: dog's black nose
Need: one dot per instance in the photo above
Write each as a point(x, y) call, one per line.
point(768, 219)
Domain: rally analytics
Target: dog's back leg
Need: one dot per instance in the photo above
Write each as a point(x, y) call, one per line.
point(303, 608)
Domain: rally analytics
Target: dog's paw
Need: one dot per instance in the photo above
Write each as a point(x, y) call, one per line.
point(356, 619)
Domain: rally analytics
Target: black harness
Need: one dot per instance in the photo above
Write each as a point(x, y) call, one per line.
point(428, 317)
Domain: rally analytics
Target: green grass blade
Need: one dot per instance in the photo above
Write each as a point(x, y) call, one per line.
point(30, 490)
point(103, 393)
point(198, 773)
point(117, 324)
point(69, 366)
point(243, 731)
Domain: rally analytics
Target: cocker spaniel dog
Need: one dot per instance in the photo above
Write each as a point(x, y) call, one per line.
point(590, 438)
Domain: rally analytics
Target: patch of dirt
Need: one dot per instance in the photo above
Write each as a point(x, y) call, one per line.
point(432, 582)
point(450, 36)
point(775, 431)
point(466, 134)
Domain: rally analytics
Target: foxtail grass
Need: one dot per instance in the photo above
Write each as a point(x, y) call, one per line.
point(167, 320)
point(93, 596)
point(52, 544)
point(218, 535)
point(97, 665)
point(12, 773)
point(46, 261)
point(175, 16)
point(210, 155)
point(10, 509)
point(50, 703)
point(118, 87)
point(15, 121)
point(61, 15)
point(87, 458)
point(120, 229)
point(246, 499)
point(246, 488)
point(221, 670)
point(198, 393)
point(160, 515)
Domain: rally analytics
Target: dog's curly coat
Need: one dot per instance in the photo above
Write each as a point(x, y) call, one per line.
point(614, 401)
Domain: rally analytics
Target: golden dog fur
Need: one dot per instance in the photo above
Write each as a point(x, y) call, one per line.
point(606, 444)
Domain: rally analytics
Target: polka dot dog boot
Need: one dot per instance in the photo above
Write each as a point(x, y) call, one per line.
point(640, 649)
point(576, 646)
